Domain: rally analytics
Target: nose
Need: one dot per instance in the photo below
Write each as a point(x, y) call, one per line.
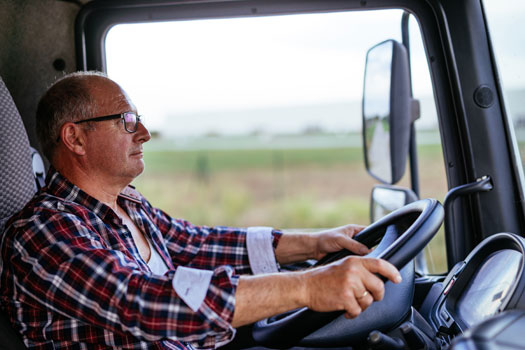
point(142, 134)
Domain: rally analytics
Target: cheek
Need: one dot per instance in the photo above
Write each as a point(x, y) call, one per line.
point(107, 150)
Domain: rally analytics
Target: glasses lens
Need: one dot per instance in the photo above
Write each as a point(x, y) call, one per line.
point(130, 121)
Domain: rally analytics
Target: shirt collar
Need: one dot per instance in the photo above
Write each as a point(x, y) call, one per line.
point(59, 186)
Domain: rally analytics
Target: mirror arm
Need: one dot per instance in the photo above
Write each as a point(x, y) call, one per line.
point(454, 251)
point(414, 170)
point(414, 173)
point(415, 109)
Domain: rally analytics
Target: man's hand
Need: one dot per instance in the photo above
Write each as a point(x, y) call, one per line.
point(294, 247)
point(338, 239)
point(350, 284)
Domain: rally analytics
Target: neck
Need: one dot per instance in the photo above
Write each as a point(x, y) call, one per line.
point(94, 184)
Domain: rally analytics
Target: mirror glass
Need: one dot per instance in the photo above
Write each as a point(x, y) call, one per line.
point(386, 200)
point(376, 111)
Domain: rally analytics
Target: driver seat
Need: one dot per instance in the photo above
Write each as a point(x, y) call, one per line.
point(18, 186)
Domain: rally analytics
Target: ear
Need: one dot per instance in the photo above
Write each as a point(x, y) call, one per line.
point(74, 138)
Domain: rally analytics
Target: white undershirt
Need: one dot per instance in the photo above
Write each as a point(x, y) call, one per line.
point(155, 263)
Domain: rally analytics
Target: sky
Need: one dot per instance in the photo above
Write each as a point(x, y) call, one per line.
point(235, 76)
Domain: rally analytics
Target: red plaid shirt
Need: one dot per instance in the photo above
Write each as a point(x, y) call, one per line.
point(71, 276)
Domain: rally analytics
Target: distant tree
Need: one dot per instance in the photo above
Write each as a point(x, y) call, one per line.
point(256, 132)
point(212, 133)
point(313, 130)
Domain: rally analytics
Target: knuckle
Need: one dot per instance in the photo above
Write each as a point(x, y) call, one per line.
point(378, 263)
point(377, 285)
point(347, 294)
point(351, 259)
point(351, 281)
point(354, 312)
point(380, 294)
point(353, 269)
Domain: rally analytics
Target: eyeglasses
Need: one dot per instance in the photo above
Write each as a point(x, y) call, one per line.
point(131, 120)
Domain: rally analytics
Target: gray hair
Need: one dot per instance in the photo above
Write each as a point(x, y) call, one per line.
point(67, 100)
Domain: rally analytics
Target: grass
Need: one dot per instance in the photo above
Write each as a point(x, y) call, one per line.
point(284, 188)
point(192, 161)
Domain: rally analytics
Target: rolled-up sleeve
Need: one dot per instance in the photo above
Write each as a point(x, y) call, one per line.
point(261, 253)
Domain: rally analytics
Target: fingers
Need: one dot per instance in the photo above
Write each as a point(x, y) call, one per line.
point(351, 230)
point(375, 286)
point(382, 267)
point(358, 303)
point(351, 284)
point(352, 308)
point(370, 287)
point(365, 299)
point(337, 239)
point(353, 245)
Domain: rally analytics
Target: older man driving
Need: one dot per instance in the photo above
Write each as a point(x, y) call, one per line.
point(89, 263)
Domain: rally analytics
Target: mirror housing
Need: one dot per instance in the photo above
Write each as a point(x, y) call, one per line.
point(386, 198)
point(387, 111)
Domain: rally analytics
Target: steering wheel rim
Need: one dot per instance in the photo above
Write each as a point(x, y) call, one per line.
point(425, 218)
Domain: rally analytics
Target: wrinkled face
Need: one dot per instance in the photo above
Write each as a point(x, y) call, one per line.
point(110, 150)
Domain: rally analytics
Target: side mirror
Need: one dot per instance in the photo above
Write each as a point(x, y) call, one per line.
point(386, 198)
point(387, 111)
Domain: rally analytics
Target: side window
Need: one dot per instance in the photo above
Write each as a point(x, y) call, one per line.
point(257, 121)
point(432, 177)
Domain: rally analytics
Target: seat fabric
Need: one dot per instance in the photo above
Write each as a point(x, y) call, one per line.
point(17, 185)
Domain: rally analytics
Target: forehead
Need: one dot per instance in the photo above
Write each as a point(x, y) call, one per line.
point(109, 97)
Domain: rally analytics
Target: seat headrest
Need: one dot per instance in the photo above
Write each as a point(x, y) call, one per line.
point(16, 174)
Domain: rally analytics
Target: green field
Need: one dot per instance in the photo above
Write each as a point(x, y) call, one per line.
point(284, 188)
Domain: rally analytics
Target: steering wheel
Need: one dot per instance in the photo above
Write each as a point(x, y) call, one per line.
point(399, 237)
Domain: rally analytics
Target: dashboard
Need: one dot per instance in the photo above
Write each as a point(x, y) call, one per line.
point(490, 280)
point(488, 288)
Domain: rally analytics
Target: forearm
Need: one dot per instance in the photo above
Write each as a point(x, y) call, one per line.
point(259, 297)
point(350, 284)
point(296, 247)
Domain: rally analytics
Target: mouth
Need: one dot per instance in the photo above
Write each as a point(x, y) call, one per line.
point(137, 153)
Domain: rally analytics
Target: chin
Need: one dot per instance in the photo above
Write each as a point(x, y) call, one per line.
point(139, 170)
point(132, 172)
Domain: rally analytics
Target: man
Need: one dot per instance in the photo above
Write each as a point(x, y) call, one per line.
point(90, 264)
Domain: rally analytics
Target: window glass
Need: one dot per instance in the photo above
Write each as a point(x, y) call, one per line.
point(507, 33)
point(256, 121)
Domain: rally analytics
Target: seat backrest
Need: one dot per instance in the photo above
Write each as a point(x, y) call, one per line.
point(17, 185)
point(16, 174)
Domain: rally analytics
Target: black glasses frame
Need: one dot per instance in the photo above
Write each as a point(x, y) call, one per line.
point(115, 116)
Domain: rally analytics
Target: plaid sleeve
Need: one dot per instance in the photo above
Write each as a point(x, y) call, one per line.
point(206, 247)
point(61, 263)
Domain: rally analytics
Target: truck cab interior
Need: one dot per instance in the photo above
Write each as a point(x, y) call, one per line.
point(469, 52)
